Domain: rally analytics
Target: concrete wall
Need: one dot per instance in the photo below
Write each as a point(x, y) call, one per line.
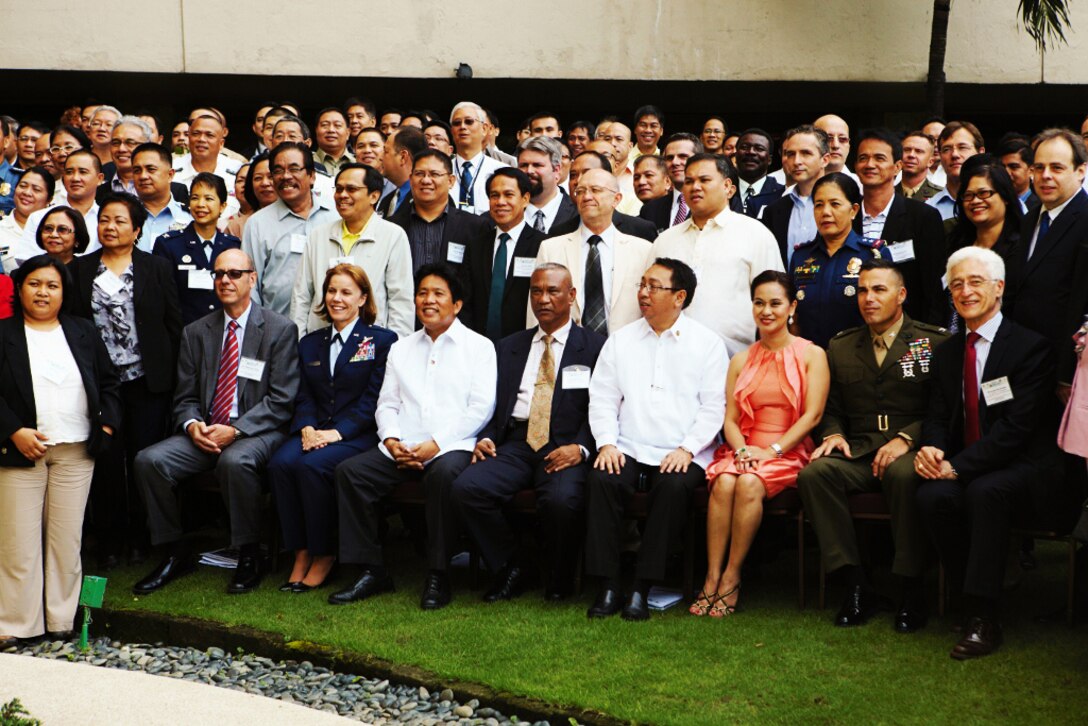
point(833, 40)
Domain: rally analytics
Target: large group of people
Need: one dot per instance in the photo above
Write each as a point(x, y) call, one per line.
point(392, 301)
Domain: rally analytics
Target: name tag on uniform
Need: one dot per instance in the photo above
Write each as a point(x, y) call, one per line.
point(298, 243)
point(902, 251)
point(109, 283)
point(187, 267)
point(251, 369)
point(200, 280)
point(997, 391)
point(334, 261)
point(575, 377)
point(524, 266)
point(456, 253)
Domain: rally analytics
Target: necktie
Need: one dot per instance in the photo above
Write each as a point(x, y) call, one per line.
point(880, 350)
point(208, 251)
point(394, 203)
point(538, 222)
point(748, 197)
point(540, 409)
point(498, 285)
point(593, 315)
point(466, 183)
point(971, 431)
point(334, 352)
point(226, 382)
point(1044, 227)
point(681, 211)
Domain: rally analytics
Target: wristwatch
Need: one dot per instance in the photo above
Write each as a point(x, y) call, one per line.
point(777, 450)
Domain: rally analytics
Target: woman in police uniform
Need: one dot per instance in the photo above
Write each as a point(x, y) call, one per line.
point(825, 271)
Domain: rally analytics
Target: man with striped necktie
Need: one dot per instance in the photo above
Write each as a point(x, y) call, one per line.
point(237, 379)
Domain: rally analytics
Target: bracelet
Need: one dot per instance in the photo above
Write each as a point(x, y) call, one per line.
point(777, 450)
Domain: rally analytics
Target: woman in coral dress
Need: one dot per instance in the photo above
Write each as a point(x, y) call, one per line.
point(775, 395)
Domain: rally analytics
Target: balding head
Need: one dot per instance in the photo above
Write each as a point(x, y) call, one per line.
point(597, 196)
point(838, 140)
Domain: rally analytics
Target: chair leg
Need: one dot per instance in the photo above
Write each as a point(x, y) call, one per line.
point(1071, 582)
point(800, 561)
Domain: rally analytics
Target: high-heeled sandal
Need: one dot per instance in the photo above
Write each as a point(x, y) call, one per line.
point(702, 604)
point(721, 608)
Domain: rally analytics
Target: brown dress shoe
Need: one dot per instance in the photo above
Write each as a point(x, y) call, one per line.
point(981, 636)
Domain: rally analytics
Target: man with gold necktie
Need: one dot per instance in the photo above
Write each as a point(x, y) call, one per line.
point(538, 437)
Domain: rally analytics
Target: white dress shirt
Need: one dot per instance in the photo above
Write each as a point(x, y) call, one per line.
point(606, 248)
point(987, 331)
point(650, 394)
point(337, 343)
point(532, 368)
point(727, 254)
point(511, 243)
point(60, 398)
point(550, 210)
point(442, 389)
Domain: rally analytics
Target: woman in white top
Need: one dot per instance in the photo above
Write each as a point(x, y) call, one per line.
point(33, 191)
point(59, 405)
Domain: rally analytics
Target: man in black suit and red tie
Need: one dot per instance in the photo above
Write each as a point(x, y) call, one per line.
point(539, 437)
point(988, 441)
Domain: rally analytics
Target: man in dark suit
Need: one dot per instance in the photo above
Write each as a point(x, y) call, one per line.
point(987, 441)
point(672, 209)
point(237, 380)
point(437, 230)
point(503, 262)
point(805, 154)
point(538, 437)
point(625, 223)
point(912, 232)
point(541, 158)
point(754, 151)
point(400, 149)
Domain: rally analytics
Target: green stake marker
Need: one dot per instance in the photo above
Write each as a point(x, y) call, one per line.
point(94, 588)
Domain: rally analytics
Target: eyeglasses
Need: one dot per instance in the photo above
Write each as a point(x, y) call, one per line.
point(422, 174)
point(127, 143)
point(971, 283)
point(232, 274)
point(595, 191)
point(67, 149)
point(980, 194)
point(293, 170)
point(60, 229)
point(654, 289)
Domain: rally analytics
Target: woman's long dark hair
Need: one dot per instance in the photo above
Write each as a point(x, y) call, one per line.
point(988, 167)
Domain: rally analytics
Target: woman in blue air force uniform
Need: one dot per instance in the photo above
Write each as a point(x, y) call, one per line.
point(342, 371)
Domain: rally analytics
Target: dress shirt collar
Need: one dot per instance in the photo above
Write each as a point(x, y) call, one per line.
point(363, 234)
point(676, 331)
point(242, 319)
point(606, 236)
point(346, 332)
point(988, 330)
point(942, 197)
point(890, 334)
point(283, 211)
point(559, 336)
point(439, 218)
point(798, 199)
point(756, 186)
point(549, 209)
point(515, 232)
point(475, 162)
point(456, 333)
point(883, 214)
point(1058, 209)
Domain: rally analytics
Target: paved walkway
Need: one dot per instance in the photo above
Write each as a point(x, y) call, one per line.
point(60, 693)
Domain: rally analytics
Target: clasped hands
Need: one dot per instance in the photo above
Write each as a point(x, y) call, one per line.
point(931, 464)
point(211, 439)
point(318, 439)
point(411, 457)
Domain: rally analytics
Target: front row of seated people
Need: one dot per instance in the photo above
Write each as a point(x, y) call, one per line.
point(953, 430)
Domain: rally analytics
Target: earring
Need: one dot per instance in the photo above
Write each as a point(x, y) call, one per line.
point(789, 320)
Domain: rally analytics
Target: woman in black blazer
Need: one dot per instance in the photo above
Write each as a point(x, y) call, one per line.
point(59, 406)
point(133, 301)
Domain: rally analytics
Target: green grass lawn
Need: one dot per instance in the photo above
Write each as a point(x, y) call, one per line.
point(770, 663)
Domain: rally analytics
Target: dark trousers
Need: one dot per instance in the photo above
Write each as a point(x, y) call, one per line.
point(969, 524)
point(363, 481)
point(484, 488)
point(669, 500)
point(115, 498)
point(239, 469)
point(825, 486)
point(303, 486)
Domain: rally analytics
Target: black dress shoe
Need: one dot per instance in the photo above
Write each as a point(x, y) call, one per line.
point(60, 634)
point(436, 592)
point(300, 587)
point(860, 605)
point(609, 602)
point(167, 571)
point(910, 618)
point(366, 586)
point(981, 636)
point(247, 576)
point(289, 586)
point(508, 584)
point(637, 608)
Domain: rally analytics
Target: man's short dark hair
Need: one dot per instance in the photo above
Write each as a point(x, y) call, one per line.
point(880, 263)
point(755, 131)
point(439, 123)
point(1016, 144)
point(410, 139)
point(884, 136)
point(606, 163)
point(447, 273)
point(652, 159)
point(307, 154)
point(366, 103)
point(215, 182)
point(649, 110)
point(819, 134)
point(150, 147)
point(1080, 154)
point(684, 136)
point(95, 161)
point(721, 162)
point(302, 127)
point(447, 162)
point(372, 178)
point(136, 211)
point(683, 277)
point(522, 179)
point(589, 126)
point(545, 114)
point(331, 109)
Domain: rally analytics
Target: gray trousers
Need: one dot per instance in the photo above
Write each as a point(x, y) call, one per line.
point(239, 470)
point(825, 485)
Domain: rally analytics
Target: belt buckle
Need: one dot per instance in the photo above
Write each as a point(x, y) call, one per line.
point(882, 422)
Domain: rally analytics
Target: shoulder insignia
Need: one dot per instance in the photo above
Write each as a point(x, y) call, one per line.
point(848, 331)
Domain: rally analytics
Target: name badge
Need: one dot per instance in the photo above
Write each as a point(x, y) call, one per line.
point(997, 391)
point(334, 261)
point(524, 266)
point(575, 377)
point(251, 369)
point(456, 253)
point(186, 267)
point(298, 243)
point(200, 279)
point(109, 283)
point(902, 251)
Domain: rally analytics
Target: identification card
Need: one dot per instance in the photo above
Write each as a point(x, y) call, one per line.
point(334, 261)
point(524, 266)
point(251, 369)
point(997, 391)
point(187, 267)
point(575, 377)
point(456, 253)
point(298, 243)
point(902, 251)
point(201, 280)
point(109, 283)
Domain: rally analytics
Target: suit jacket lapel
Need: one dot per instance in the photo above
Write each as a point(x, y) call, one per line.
point(577, 268)
point(519, 358)
point(251, 344)
point(864, 352)
point(347, 350)
point(895, 226)
point(20, 362)
point(1057, 230)
point(213, 350)
point(576, 343)
point(139, 275)
point(993, 366)
point(619, 271)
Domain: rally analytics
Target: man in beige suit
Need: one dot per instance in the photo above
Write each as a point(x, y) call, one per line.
point(606, 265)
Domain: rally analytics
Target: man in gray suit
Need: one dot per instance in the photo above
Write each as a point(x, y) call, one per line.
point(237, 380)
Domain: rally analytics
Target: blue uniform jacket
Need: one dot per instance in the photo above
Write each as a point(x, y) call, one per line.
point(827, 287)
point(8, 179)
point(185, 252)
point(347, 401)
